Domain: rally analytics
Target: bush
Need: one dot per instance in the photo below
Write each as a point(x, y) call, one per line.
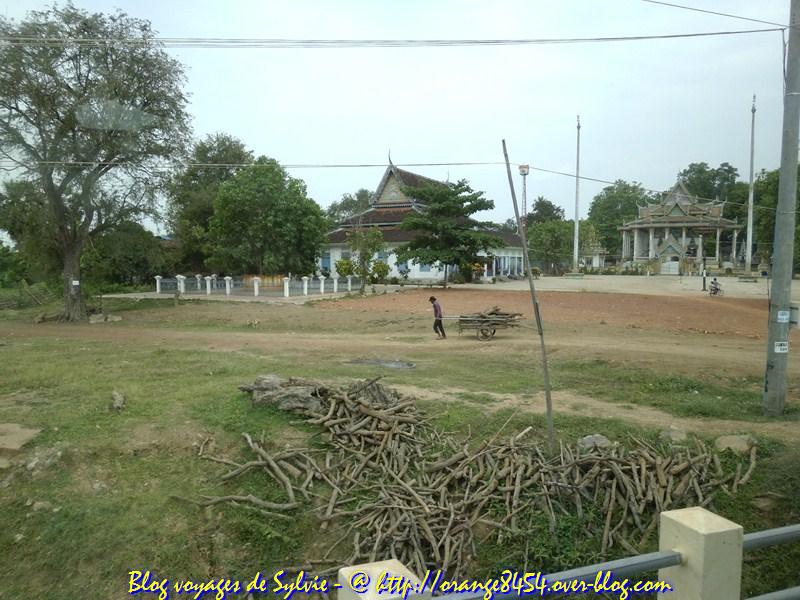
point(344, 267)
point(380, 271)
point(394, 280)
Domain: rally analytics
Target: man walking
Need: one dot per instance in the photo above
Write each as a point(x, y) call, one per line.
point(437, 319)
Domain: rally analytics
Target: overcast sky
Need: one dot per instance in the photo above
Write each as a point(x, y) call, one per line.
point(647, 108)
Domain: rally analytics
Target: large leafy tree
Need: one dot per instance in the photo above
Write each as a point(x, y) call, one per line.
point(127, 254)
point(765, 204)
point(708, 183)
point(542, 211)
point(193, 190)
point(349, 206)
point(85, 118)
point(446, 232)
point(26, 220)
point(551, 242)
point(611, 207)
point(264, 222)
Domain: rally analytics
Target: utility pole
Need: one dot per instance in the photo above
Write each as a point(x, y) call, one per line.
point(779, 304)
point(749, 256)
point(577, 195)
point(524, 170)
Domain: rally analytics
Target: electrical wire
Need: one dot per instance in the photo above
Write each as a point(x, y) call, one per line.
point(713, 12)
point(166, 167)
point(267, 43)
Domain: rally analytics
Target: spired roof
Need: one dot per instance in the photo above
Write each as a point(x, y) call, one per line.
point(388, 191)
point(679, 206)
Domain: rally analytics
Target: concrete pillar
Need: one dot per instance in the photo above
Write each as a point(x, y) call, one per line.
point(700, 248)
point(733, 248)
point(305, 286)
point(716, 250)
point(214, 280)
point(624, 245)
point(711, 547)
point(256, 285)
point(199, 277)
point(683, 239)
point(228, 280)
point(285, 287)
point(181, 283)
point(651, 249)
point(208, 279)
point(322, 284)
point(349, 283)
point(637, 250)
point(391, 575)
point(335, 283)
point(158, 283)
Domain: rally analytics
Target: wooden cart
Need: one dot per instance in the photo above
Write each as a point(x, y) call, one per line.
point(486, 323)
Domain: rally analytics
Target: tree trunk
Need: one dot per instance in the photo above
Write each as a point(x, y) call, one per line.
point(364, 268)
point(74, 305)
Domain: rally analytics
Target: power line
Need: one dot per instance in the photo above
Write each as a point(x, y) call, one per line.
point(10, 165)
point(713, 12)
point(268, 43)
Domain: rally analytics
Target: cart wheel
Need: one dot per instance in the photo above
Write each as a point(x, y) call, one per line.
point(485, 334)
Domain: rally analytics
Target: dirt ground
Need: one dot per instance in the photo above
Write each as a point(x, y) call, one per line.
point(673, 334)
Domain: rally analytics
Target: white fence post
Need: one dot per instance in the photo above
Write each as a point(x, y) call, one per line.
point(228, 280)
point(256, 283)
point(349, 283)
point(711, 547)
point(208, 284)
point(158, 284)
point(199, 279)
point(322, 285)
point(181, 283)
point(335, 284)
point(305, 286)
point(285, 287)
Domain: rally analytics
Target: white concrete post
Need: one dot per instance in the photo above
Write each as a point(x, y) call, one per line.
point(335, 283)
point(349, 283)
point(214, 280)
point(651, 252)
point(322, 284)
point(733, 250)
point(305, 286)
point(711, 547)
point(285, 287)
point(158, 283)
point(683, 239)
point(256, 283)
point(700, 248)
point(228, 280)
point(716, 248)
point(366, 579)
point(199, 285)
point(181, 283)
point(208, 284)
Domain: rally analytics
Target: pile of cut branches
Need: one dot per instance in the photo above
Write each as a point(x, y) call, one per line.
point(396, 487)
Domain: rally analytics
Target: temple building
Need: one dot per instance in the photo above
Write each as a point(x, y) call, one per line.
point(388, 207)
point(673, 229)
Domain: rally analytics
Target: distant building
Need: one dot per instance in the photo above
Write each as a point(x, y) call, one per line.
point(388, 207)
point(673, 229)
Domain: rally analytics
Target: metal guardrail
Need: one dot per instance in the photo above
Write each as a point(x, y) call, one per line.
point(774, 537)
point(653, 561)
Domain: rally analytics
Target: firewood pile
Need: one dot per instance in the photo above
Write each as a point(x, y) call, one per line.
point(387, 484)
point(493, 316)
